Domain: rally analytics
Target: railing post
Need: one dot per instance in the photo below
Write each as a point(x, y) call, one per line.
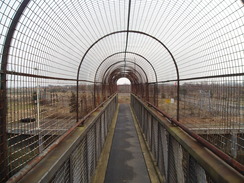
point(87, 159)
point(94, 95)
point(3, 130)
point(155, 94)
point(147, 92)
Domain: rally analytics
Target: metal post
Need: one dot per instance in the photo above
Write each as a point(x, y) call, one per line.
point(147, 92)
point(38, 100)
point(155, 94)
point(234, 144)
point(38, 129)
point(38, 106)
point(94, 96)
point(3, 91)
point(3, 128)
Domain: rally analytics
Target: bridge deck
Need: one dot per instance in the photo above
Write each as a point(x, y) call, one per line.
point(126, 162)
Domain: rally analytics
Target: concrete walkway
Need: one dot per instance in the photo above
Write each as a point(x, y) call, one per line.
point(126, 162)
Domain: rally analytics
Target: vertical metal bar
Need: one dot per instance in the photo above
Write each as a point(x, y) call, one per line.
point(158, 142)
point(188, 167)
point(103, 91)
point(71, 172)
point(155, 94)
point(3, 91)
point(127, 32)
point(94, 95)
point(95, 131)
point(87, 159)
point(3, 128)
point(147, 92)
point(77, 101)
point(178, 99)
point(151, 132)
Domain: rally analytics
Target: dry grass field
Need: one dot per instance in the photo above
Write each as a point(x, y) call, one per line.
point(124, 98)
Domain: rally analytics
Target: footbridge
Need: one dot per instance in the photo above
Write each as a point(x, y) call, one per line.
point(65, 117)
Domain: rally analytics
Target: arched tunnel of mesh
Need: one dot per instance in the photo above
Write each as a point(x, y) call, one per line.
point(61, 59)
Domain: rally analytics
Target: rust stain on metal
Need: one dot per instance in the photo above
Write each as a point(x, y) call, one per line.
point(37, 159)
point(232, 162)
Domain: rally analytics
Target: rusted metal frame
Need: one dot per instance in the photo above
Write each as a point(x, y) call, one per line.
point(158, 136)
point(121, 74)
point(94, 95)
point(120, 62)
point(128, 62)
point(43, 77)
point(136, 32)
point(127, 32)
point(147, 91)
point(95, 131)
point(204, 77)
point(54, 78)
point(156, 95)
point(151, 131)
point(133, 62)
point(131, 78)
point(3, 89)
point(136, 89)
point(116, 74)
point(156, 77)
point(232, 162)
point(214, 166)
point(18, 176)
point(104, 94)
point(133, 72)
point(73, 140)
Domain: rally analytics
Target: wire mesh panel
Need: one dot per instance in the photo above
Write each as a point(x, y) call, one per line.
point(102, 130)
point(172, 174)
point(213, 109)
point(91, 151)
point(155, 136)
point(196, 172)
point(167, 98)
point(163, 141)
point(63, 175)
point(144, 120)
point(39, 111)
point(148, 132)
point(82, 161)
point(98, 138)
point(177, 162)
point(105, 125)
point(78, 160)
point(181, 55)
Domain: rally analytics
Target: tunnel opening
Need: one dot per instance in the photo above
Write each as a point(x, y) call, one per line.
point(124, 90)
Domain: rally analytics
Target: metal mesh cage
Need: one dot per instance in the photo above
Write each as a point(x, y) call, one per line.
point(61, 59)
